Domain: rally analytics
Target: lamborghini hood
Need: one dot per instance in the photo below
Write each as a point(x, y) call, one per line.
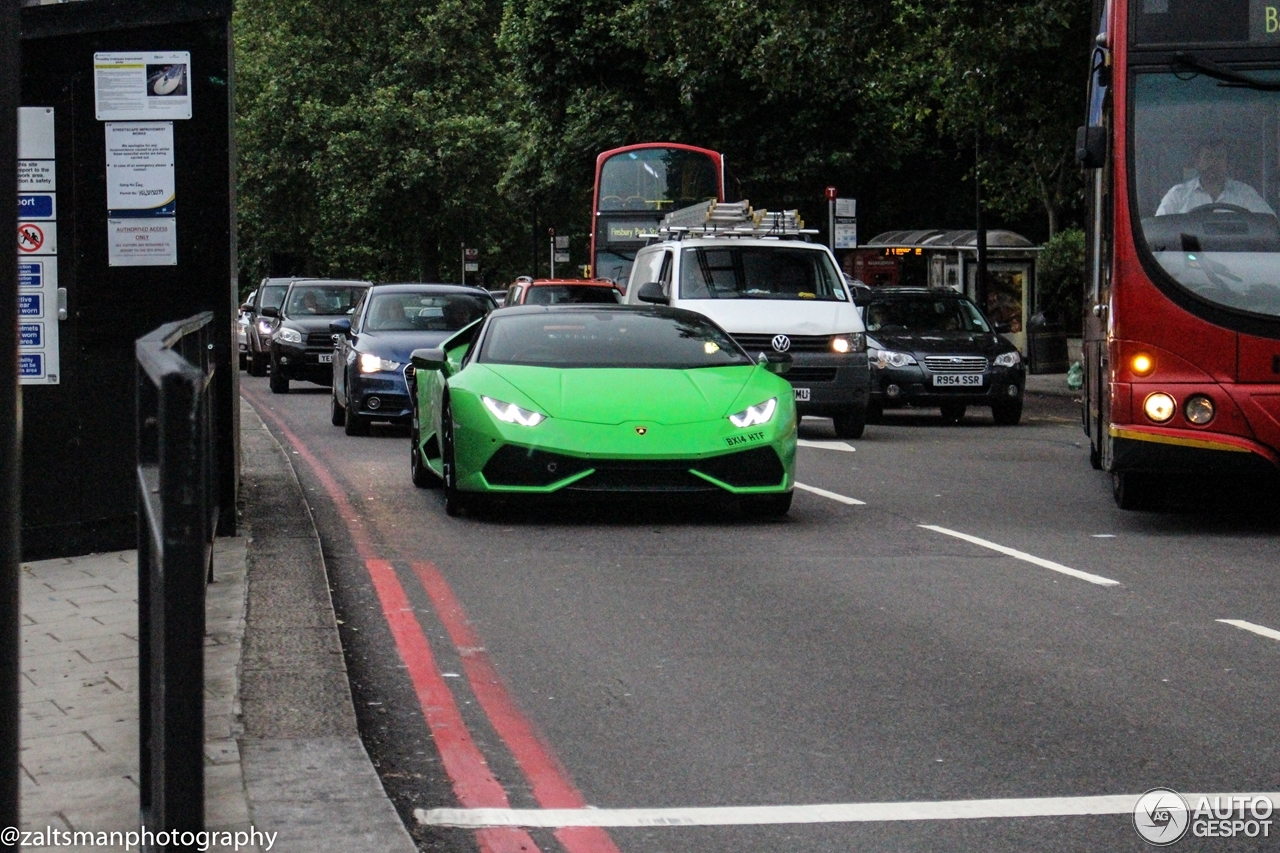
point(623, 395)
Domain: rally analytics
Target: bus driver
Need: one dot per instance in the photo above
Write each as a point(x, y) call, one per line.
point(1211, 185)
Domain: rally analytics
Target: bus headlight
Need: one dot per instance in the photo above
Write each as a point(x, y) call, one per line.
point(1199, 410)
point(1159, 407)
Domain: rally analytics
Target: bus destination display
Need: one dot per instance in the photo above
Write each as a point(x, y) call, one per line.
point(1237, 22)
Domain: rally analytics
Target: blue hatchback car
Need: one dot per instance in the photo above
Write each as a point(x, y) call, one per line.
point(372, 346)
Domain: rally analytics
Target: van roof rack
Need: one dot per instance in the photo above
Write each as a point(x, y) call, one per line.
point(729, 219)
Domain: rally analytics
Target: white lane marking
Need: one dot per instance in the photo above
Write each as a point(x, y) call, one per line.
point(824, 493)
point(1260, 630)
point(826, 445)
point(1104, 536)
point(1022, 555)
point(763, 815)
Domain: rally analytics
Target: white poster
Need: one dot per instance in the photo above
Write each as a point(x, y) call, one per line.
point(142, 85)
point(140, 170)
point(142, 242)
point(847, 235)
point(39, 357)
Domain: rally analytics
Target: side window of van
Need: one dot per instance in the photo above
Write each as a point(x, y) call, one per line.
point(655, 266)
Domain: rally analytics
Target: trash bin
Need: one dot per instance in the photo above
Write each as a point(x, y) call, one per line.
point(1046, 345)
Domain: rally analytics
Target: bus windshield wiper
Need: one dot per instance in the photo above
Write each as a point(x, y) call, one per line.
point(1190, 62)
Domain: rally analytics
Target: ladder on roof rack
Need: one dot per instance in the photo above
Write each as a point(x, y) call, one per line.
point(730, 219)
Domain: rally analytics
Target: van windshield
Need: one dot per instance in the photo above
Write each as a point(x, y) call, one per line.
point(759, 272)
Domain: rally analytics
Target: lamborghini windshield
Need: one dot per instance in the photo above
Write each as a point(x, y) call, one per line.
point(608, 338)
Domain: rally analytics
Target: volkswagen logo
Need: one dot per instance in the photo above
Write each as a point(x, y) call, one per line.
point(781, 343)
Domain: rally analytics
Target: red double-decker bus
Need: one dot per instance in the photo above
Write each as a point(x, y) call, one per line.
point(1182, 301)
point(636, 186)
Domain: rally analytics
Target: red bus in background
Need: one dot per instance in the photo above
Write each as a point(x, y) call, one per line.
point(1182, 297)
point(636, 186)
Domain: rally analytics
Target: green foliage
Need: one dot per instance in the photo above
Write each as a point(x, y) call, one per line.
point(374, 137)
point(1060, 276)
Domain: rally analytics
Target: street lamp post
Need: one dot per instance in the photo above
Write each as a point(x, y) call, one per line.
point(980, 226)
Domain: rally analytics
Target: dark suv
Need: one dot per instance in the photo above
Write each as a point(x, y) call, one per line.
point(270, 294)
point(302, 344)
point(933, 347)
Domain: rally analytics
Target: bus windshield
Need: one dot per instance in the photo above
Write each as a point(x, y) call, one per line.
point(658, 179)
point(1206, 166)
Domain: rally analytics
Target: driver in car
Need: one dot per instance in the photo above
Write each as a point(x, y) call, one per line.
point(1212, 186)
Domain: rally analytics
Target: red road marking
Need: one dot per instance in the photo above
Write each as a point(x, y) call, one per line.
point(472, 782)
point(548, 779)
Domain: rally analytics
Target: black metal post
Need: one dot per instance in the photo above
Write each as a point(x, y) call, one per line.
point(177, 517)
point(980, 227)
point(10, 434)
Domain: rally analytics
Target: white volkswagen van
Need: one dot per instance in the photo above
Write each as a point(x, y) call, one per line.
point(772, 294)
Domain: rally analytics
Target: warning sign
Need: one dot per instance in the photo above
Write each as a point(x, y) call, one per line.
point(30, 238)
point(37, 238)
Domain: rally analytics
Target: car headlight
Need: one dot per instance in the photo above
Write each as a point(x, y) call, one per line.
point(1008, 359)
point(889, 358)
point(510, 413)
point(290, 336)
point(761, 413)
point(856, 342)
point(370, 363)
point(266, 326)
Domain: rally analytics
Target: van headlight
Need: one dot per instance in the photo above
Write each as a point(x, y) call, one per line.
point(888, 358)
point(290, 336)
point(1008, 359)
point(856, 342)
point(761, 413)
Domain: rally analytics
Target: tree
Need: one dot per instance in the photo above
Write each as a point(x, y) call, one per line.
point(1060, 277)
point(1006, 69)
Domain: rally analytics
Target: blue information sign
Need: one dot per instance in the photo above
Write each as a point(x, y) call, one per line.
point(31, 274)
point(29, 305)
point(31, 334)
point(35, 206)
point(30, 364)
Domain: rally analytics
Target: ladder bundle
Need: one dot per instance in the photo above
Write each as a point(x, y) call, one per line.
point(731, 219)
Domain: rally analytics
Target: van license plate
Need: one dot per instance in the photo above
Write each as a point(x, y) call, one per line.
point(325, 358)
point(802, 395)
point(963, 379)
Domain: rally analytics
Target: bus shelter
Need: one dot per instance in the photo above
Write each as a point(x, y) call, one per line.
point(937, 258)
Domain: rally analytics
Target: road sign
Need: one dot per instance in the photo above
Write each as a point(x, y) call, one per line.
point(562, 257)
point(471, 254)
point(471, 266)
point(562, 242)
point(831, 193)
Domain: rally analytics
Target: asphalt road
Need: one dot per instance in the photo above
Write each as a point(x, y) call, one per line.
point(636, 656)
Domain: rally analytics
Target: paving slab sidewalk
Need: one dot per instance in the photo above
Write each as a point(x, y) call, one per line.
point(282, 751)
